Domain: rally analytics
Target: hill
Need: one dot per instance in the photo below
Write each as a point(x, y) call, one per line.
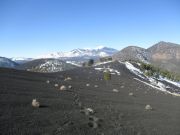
point(165, 55)
point(5, 62)
point(46, 65)
point(92, 106)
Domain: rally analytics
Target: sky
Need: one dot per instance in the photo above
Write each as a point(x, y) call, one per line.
point(29, 28)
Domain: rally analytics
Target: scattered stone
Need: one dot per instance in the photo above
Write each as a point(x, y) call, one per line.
point(87, 111)
point(95, 86)
point(63, 87)
point(47, 81)
point(56, 85)
point(35, 103)
point(87, 84)
point(115, 90)
point(122, 87)
point(148, 107)
point(68, 79)
point(70, 87)
point(131, 94)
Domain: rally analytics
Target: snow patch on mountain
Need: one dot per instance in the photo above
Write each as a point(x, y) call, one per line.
point(51, 66)
point(154, 82)
point(98, 52)
point(46, 65)
point(21, 60)
point(134, 70)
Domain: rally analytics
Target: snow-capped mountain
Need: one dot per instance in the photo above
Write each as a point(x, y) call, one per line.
point(98, 52)
point(5, 62)
point(21, 60)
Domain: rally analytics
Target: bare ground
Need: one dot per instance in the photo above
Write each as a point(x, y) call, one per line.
point(62, 112)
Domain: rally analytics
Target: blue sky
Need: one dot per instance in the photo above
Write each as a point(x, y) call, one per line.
point(33, 27)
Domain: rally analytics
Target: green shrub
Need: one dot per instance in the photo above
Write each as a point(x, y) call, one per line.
point(150, 70)
point(107, 75)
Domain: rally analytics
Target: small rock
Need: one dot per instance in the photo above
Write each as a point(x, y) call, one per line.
point(47, 81)
point(115, 90)
point(87, 111)
point(122, 87)
point(95, 86)
point(35, 103)
point(63, 87)
point(56, 85)
point(131, 94)
point(87, 84)
point(70, 87)
point(68, 79)
point(148, 107)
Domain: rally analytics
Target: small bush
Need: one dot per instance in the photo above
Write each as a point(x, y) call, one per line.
point(107, 75)
point(150, 70)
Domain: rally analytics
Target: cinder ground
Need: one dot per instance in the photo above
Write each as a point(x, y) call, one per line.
point(62, 112)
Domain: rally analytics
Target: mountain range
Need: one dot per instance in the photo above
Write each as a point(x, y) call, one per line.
point(165, 55)
point(88, 53)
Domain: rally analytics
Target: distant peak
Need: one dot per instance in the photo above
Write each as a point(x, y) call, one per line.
point(162, 42)
point(100, 47)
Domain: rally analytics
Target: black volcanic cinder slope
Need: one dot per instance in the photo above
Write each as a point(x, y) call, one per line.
point(60, 114)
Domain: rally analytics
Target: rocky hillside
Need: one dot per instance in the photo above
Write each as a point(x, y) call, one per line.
point(46, 65)
point(166, 55)
point(5, 62)
point(163, 54)
point(132, 53)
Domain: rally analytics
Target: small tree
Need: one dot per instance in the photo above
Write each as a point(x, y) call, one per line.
point(90, 62)
point(107, 75)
